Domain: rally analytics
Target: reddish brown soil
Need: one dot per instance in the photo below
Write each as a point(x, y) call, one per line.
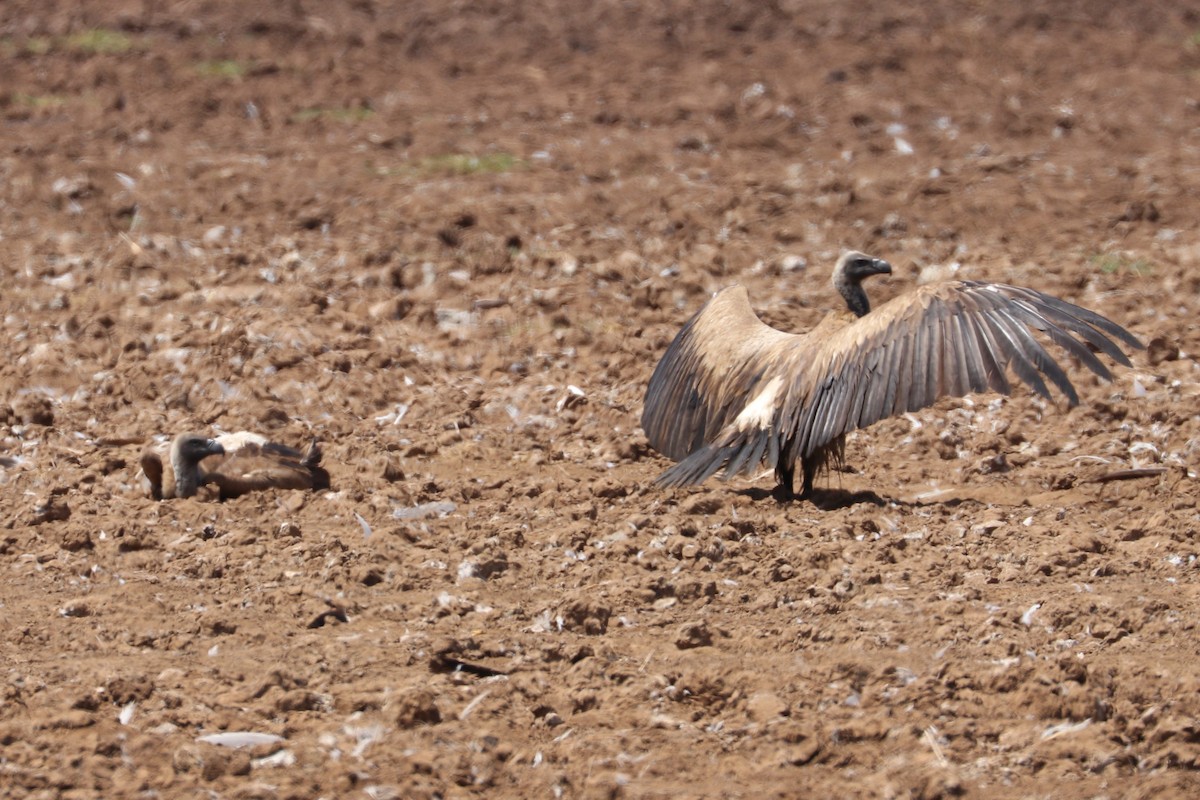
point(410, 228)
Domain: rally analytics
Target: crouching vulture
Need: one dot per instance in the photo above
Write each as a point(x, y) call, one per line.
point(236, 463)
point(732, 393)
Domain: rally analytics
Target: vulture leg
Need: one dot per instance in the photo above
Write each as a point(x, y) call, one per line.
point(809, 467)
point(820, 459)
point(786, 475)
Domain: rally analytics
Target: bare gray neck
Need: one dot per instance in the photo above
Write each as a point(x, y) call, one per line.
point(856, 299)
point(187, 474)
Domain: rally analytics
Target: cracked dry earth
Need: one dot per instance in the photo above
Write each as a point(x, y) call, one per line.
point(451, 240)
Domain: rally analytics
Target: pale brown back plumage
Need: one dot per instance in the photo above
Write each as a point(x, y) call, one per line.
point(256, 466)
point(731, 393)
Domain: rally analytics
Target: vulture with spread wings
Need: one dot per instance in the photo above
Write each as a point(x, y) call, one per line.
point(236, 463)
point(734, 394)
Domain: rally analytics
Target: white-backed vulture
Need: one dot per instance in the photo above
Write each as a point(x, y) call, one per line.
point(236, 463)
point(732, 393)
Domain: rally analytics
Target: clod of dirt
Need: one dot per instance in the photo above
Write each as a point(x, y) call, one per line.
point(76, 609)
point(50, 508)
point(34, 410)
point(765, 706)
point(587, 615)
point(703, 504)
point(1160, 349)
point(416, 706)
point(73, 541)
point(332, 615)
point(693, 634)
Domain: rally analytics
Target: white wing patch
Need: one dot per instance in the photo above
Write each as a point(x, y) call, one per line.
point(760, 411)
point(236, 441)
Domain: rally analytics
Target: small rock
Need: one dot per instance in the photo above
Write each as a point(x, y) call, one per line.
point(77, 608)
point(392, 472)
point(368, 575)
point(34, 411)
point(74, 188)
point(416, 707)
point(994, 464)
point(610, 488)
point(75, 540)
point(1160, 350)
point(792, 263)
point(187, 759)
point(702, 504)
point(298, 700)
point(70, 720)
point(766, 706)
point(587, 615)
point(331, 615)
point(693, 634)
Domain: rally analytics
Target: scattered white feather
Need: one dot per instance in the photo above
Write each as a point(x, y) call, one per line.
point(437, 508)
point(239, 739)
point(1064, 728)
point(280, 758)
point(393, 416)
point(469, 707)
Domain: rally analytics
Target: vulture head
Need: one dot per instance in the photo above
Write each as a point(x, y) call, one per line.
point(848, 275)
point(187, 451)
point(733, 394)
point(173, 468)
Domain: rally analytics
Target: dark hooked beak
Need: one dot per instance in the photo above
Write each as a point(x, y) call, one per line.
point(214, 448)
point(879, 267)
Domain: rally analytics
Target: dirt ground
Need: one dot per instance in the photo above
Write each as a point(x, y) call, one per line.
point(451, 240)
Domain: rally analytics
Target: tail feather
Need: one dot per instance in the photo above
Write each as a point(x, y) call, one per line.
point(739, 455)
point(312, 457)
point(696, 468)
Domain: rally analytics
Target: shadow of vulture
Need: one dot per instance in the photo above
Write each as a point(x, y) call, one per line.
point(236, 463)
point(829, 499)
point(734, 394)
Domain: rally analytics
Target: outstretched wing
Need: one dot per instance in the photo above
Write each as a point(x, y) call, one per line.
point(717, 365)
point(944, 340)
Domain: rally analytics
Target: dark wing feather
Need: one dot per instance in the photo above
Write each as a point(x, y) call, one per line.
point(992, 358)
point(943, 340)
point(968, 352)
point(903, 376)
point(1087, 324)
point(963, 336)
point(1011, 343)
